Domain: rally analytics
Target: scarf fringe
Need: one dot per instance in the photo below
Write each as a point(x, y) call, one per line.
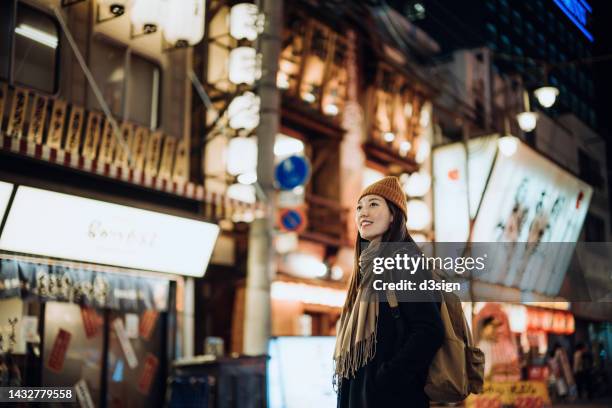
point(347, 364)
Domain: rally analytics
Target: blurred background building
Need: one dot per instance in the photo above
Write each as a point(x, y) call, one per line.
point(484, 110)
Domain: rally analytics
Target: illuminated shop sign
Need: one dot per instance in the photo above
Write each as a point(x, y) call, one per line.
point(579, 12)
point(5, 195)
point(63, 226)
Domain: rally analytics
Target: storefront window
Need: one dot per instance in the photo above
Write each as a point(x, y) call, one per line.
point(129, 83)
point(72, 350)
point(142, 384)
point(36, 50)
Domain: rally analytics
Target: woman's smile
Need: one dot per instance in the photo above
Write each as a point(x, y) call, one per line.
point(373, 217)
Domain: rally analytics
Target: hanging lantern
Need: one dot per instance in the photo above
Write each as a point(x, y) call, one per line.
point(147, 14)
point(527, 120)
point(184, 22)
point(423, 150)
point(508, 145)
point(243, 66)
point(425, 117)
point(243, 111)
point(546, 95)
point(419, 215)
point(418, 184)
point(242, 192)
point(405, 147)
point(114, 7)
point(244, 21)
point(242, 156)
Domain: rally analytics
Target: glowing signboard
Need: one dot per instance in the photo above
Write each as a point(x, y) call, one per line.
point(65, 226)
point(579, 12)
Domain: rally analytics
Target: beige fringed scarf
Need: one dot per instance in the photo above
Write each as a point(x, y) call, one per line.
point(356, 337)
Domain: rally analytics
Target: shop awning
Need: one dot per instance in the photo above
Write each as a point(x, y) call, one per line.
point(87, 285)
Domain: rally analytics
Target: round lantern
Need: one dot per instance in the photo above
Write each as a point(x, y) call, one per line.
point(243, 66)
point(241, 155)
point(243, 21)
point(147, 14)
point(243, 111)
point(184, 22)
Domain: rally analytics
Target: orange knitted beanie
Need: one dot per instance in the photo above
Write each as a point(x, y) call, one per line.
point(389, 188)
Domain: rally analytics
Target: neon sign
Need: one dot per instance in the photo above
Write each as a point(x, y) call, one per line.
point(578, 11)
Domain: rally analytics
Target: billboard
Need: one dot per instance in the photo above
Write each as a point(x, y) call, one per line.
point(536, 209)
point(527, 211)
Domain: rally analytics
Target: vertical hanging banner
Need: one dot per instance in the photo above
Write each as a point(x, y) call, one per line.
point(56, 126)
point(18, 112)
point(107, 145)
point(3, 95)
point(147, 376)
point(124, 341)
point(165, 168)
point(147, 323)
point(75, 127)
point(180, 164)
point(153, 154)
point(92, 321)
point(58, 352)
point(121, 156)
point(141, 140)
point(131, 325)
point(92, 135)
point(83, 395)
point(37, 119)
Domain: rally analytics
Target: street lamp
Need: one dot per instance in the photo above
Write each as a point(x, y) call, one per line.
point(508, 143)
point(527, 120)
point(546, 95)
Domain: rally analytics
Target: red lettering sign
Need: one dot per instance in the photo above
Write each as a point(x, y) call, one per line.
point(58, 352)
point(148, 374)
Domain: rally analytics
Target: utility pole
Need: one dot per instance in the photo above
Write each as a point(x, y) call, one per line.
point(261, 265)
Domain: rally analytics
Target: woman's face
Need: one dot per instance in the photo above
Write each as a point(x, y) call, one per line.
point(373, 217)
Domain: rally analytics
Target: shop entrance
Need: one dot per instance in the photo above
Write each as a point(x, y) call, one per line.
point(95, 354)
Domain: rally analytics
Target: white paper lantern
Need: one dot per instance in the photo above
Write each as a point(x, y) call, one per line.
point(243, 66)
point(147, 14)
point(242, 156)
point(285, 146)
point(244, 21)
point(419, 215)
point(418, 184)
point(241, 192)
point(243, 111)
point(423, 150)
point(184, 22)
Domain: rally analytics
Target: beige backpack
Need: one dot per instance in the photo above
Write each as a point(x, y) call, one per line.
point(458, 367)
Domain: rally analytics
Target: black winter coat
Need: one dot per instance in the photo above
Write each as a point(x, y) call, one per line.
point(396, 376)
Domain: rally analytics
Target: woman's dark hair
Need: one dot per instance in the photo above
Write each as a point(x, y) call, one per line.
point(397, 232)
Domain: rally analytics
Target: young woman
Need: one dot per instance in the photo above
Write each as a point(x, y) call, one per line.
point(374, 365)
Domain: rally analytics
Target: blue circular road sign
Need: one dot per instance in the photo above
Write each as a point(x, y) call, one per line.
point(292, 172)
